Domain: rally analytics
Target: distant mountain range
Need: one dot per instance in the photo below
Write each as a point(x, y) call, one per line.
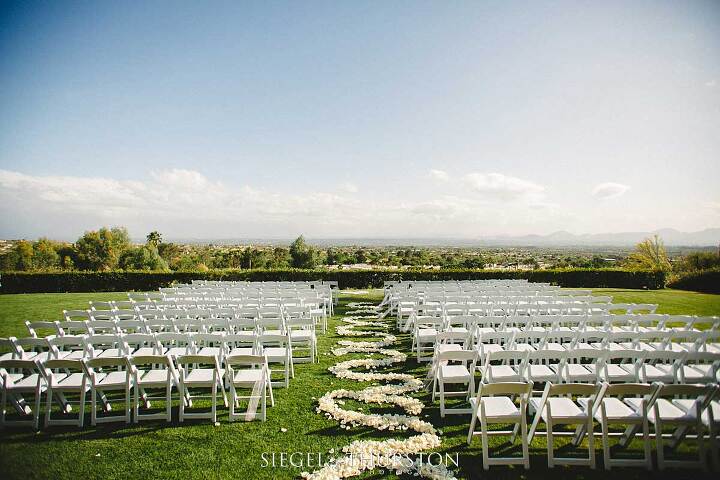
point(671, 237)
point(707, 237)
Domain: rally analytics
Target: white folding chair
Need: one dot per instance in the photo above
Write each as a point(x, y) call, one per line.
point(200, 371)
point(19, 378)
point(302, 333)
point(106, 375)
point(452, 368)
point(501, 403)
point(152, 372)
point(248, 372)
point(625, 404)
point(503, 366)
point(278, 349)
point(556, 407)
point(65, 377)
point(666, 412)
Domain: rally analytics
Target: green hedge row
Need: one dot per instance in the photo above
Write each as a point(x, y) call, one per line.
point(33, 282)
point(707, 281)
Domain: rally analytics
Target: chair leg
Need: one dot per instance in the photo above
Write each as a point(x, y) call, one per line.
point(472, 428)
point(591, 441)
point(48, 406)
point(646, 444)
point(168, 403)
point(81, 413)
point(181, 409)
point(605, 444)
point(524, 442)
point(659, 441)
point(550, 443)
point(485, 444)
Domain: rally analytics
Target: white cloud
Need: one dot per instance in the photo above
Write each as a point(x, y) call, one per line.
point(609, 190)
point(496, 186)
point(348, 187)
point(711, 83)
point(439, 175)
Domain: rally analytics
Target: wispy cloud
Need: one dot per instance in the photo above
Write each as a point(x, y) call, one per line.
point(439, 175)
point(497, 186)
point(608, 190)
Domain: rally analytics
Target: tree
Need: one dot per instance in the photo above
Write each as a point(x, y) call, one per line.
point(302, 254)
point(45, 255)
point(20, 258)
point(154, 238)
point(142, 258)
point(100, 250)
point(700, 261)
point(650, 254)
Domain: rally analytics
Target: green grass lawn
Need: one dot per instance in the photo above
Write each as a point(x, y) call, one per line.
point(201, 450)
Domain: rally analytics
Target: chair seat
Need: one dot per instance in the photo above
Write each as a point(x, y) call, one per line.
point(111, 379)
point(177, 351)
point(689, 406)
point(110, 352)
point(699, 373)
point(144, 351)
point(498, 408)
point(242, 351)
point(554, 347)
point(26, 384)
point(503, 373)
point(659, 373)
point(454, 373)
point(616, 410)
point(561, 409)
point(579, 372)
point(152, 377)
point(524, 347)
point(70, 382)
point(201, 376)
point(275, 353)
point(541, 373)
point(620, 373)
point(71, 355)
point(669, 412)
point(247, 376)
point(210, 351)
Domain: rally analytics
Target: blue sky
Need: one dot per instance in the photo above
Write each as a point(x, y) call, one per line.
point(340, 119)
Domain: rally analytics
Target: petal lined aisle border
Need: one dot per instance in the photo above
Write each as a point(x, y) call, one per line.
point(392, 454)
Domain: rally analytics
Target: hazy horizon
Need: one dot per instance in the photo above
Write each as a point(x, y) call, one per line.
point(359, 119)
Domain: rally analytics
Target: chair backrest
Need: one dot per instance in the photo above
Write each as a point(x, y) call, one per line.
point(73, 327)
point(66, 364)
point(505, 388)
point(458, 356)
point(42, 328)
point(183, 360)
point(140, 360)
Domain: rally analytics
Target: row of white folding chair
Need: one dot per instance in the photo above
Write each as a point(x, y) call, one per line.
point(282, 348)
point(177, 321)
point(593, 365)
point(634, 406)
point(58, 378)
point(539, 339)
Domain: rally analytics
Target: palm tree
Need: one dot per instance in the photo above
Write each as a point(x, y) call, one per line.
point(651, 254)
point(154, 238)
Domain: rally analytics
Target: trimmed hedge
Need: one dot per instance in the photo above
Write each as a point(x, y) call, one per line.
point(35, 282)
point(707, 281)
